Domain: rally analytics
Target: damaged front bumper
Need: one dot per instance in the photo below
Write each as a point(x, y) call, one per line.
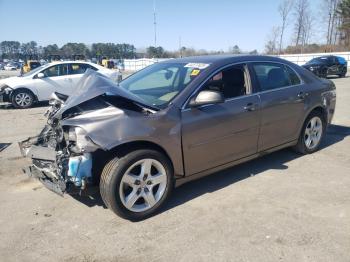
point(59, 171)
point(57, 186)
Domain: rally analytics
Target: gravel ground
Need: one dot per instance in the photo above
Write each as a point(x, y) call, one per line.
point(5, 73)
point(282, 207)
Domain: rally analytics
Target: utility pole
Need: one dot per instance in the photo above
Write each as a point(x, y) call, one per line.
point(155, 23)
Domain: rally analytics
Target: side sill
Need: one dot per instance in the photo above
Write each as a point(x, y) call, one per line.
point(210, 171)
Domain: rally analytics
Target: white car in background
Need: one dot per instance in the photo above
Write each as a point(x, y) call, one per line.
point(10, 67)
point(38, 84)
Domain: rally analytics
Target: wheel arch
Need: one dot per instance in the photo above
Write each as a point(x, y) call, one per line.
point(26, 89)
point(322, 110)
point(102, 157)
point(318, 108)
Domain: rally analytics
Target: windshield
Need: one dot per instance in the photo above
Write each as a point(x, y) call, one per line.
point(159, 83)
point(34, 71)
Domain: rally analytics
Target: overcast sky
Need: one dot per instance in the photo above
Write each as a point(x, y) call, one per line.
point(202, 24)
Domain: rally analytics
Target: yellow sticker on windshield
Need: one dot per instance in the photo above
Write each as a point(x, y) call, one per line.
point(195, 72)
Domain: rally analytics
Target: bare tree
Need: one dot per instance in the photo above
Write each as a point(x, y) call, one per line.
point(272, 43)
point(301, 9)
point(307, 30)
point(284, 10)
point(332, 19)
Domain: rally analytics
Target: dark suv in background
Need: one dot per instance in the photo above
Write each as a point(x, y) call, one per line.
point(327, 65)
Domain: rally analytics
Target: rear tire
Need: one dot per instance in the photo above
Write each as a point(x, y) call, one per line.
point(136, 185)
point(22, 98)
point(311, 134)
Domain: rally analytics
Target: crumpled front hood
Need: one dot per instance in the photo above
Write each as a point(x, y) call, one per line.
point(92, 85)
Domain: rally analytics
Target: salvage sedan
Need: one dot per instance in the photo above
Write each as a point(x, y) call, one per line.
point(173, 122)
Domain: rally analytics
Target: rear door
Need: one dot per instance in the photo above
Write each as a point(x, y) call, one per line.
point(217, 134)
point(282, 95)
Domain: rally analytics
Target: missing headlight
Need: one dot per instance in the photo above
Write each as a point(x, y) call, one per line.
point(79, 141)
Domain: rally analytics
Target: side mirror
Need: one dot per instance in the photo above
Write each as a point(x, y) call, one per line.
point(207, 97)
point(40, 75)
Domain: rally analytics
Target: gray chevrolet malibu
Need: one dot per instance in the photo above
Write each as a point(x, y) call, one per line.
point(173, 122)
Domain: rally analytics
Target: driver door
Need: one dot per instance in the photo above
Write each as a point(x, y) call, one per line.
point(217, 134)
point(55, 80)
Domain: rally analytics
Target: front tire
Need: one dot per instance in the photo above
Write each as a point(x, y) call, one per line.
point(136, 185)
point(22, 98)
point(311, 134)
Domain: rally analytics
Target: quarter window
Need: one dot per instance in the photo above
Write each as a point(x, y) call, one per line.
point(294, 78)
point(271, 76)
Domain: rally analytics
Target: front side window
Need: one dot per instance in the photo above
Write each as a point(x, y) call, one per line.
point(231, 82)
point(56, 70)
point(159, 83)
point(272, 75)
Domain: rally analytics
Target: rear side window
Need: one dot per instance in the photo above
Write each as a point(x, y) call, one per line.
point(80, 68)
point(272, 75)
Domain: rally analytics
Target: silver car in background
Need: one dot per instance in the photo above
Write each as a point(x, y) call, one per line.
point(173, 122)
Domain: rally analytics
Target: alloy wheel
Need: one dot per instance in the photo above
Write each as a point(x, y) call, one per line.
point(313, 133)
point(23, 99)
point(143, 185)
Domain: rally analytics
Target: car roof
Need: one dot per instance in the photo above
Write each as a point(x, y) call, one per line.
point(69, 62)
point(326, 56)
point(218, 59)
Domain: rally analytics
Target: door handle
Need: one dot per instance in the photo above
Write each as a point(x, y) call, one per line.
point(302, 95)
point(250, 107)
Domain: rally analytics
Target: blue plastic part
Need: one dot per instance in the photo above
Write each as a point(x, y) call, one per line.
point(342, 60)
point(79, 168)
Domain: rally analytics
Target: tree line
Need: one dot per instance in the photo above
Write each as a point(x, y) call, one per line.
point(331, 21)
point(31, 50)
